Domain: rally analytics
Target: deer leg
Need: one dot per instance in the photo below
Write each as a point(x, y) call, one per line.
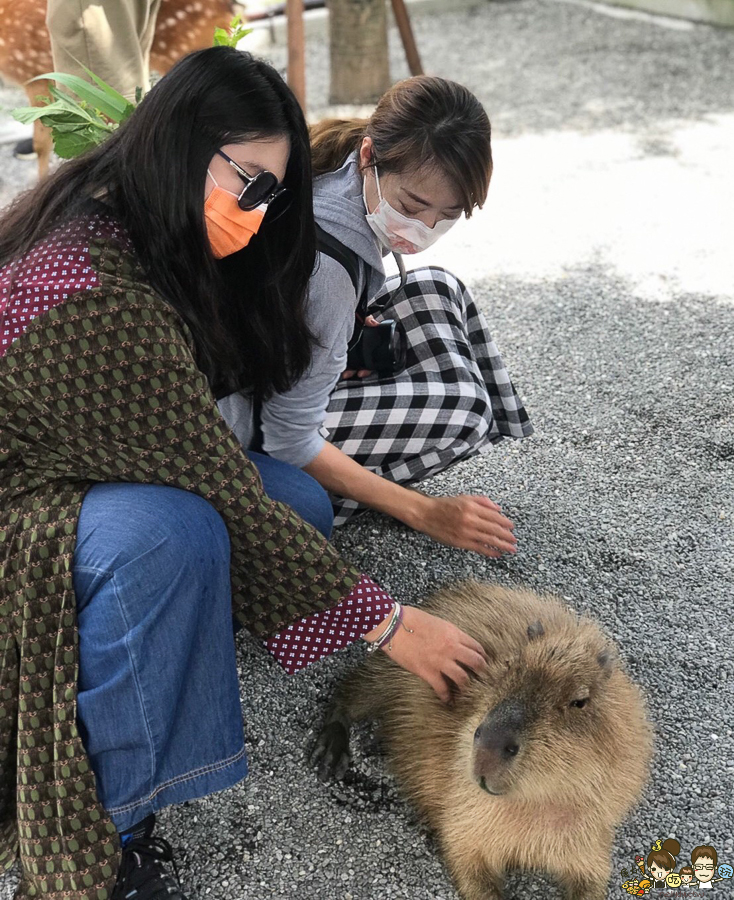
point(42, 140)
point(42, 144)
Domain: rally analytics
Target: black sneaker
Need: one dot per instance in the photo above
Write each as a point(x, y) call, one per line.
point(24, 149)
point(143, 874)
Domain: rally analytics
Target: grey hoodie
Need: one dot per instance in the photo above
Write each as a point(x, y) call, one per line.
point(291, 421)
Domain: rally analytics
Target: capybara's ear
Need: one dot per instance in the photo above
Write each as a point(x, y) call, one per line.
point(606, 662)
point(535, 630)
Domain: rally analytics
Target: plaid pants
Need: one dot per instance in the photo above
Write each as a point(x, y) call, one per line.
point(453, 400)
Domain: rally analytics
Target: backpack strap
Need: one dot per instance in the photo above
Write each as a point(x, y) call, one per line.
point(349, 261)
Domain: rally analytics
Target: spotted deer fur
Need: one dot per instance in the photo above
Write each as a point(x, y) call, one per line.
point(25, 47)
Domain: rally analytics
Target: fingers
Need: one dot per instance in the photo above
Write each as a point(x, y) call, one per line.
point(469, 655)
point(491, 519)
point(459, 676)
point(485, 550)
point(491, 512)
point(496, 542)
point(472, 523)
point(474, 646)
point(348, 373)
point(440, 688)
point(485, 501)
point(486, 544)
point(476, 661)
point(495, 529)
point(438, 652)
point(485, 528)
point(363, 373)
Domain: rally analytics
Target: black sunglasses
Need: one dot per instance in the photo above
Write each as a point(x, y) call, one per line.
point(261, 188)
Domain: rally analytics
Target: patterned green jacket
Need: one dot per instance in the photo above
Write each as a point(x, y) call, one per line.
point(98, 383)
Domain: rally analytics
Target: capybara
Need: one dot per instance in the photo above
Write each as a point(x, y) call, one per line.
point(532, 765)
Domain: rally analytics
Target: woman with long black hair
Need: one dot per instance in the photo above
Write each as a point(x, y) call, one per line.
point(141, 281)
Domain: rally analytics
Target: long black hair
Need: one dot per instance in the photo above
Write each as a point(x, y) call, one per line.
point(247, 311)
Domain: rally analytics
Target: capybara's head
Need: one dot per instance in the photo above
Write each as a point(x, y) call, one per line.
point(555, 719)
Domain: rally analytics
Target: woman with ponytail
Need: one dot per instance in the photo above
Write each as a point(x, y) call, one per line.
point(395, 182)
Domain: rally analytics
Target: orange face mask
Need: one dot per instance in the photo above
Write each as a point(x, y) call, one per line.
point(228, 227)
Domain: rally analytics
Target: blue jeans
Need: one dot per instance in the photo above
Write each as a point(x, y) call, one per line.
point(159, 705)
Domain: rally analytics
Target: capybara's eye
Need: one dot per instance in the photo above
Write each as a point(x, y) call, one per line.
point(579, 704)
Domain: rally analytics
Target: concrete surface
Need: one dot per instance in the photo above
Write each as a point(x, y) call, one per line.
point(715, 12)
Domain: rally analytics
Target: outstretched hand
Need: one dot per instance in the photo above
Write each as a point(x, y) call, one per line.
point(467, 521)
point(435, 651)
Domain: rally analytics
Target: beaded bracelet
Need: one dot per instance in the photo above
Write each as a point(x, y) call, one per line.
point(389, 633)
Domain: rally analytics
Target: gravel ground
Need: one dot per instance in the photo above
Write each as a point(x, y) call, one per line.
point(603, 264)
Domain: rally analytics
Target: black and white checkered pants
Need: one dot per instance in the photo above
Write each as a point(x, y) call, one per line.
point(453, 400)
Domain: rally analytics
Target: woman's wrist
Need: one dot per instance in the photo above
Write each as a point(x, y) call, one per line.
point(402, 503)
point(412, 508)
point(341, 475)
point(381, 638)
point(380, 629)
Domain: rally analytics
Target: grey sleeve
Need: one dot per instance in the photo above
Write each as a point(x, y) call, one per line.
point(291, 420)
point(236, 409)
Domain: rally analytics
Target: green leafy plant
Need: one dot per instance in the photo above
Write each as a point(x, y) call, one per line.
point(233, 35)
point(79, 123)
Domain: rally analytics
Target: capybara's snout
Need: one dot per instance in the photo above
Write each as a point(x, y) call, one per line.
point(498, 742)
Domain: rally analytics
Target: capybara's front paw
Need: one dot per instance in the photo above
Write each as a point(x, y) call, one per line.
point(471, 877)
point(478, 889)
point(330, 755)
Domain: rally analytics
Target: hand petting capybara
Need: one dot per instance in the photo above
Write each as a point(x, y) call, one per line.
point(533, 764)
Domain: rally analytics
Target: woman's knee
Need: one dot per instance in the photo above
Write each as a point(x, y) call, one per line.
point(297, 489)
point(165, 528)
point(439, 280)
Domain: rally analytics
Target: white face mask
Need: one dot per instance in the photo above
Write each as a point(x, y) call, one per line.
point(397, 232)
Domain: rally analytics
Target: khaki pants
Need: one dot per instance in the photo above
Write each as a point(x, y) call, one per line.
point(112, 38)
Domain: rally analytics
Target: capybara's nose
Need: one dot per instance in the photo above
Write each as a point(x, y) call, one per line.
point(501, 730)
point(501, 741)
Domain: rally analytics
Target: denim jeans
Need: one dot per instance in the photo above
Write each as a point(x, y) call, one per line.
point(159, 706)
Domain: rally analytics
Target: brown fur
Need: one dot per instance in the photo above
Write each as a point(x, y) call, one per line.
point(25, 47)
point(578, 770)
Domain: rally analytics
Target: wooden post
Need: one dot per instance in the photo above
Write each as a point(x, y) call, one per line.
point(296, 50)
point(360, 68)
point(406, 35)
